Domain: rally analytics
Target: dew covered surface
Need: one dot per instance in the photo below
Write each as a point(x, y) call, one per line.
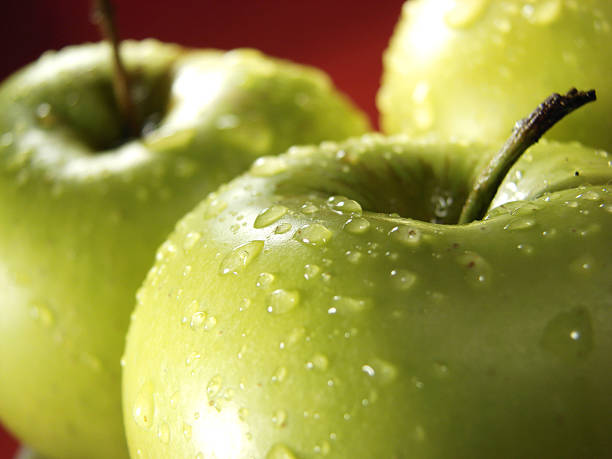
point(335, 320)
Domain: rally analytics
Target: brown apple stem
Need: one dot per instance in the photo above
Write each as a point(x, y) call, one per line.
point(526, 132)
point(103, 16)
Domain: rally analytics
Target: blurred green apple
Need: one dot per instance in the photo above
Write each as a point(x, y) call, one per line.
point(467, 69)
point(328, 303)
point(83, 208)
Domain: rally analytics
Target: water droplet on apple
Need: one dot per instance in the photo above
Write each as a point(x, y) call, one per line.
point(279, 375)
point(315, 234)
point(402, 279)
point(6, 140)
point(280, 451)
point(311, 271)
point(525, 248)
point(163, 433)
point(267, 166)
point(356, 225)
point(347, 304)
point(43, 111)
point(214, 387)
point(281, 301)
point(269, 216)
point(353, 256)
point(187, 431)
point(308, 208)
point(318, 362)
point(185, 167)
point(144, 406)
point(214, 206)
point(197, 320)
point(282, 228)
point(42, 314)
point(583, 264)
point(240, 257)
point(544, 12)
point(344, 205)
point(464, 14)
point(520, 223)
point(264, 280)
point(477, 269)
point(406, 235)
point(569, 335)
point(279, 419)
point(441, 370)
point(591, 195)
point(191, 240)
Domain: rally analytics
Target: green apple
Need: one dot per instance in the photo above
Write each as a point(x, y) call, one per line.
point(452, 64)
point(84, 209)
point(328, 303)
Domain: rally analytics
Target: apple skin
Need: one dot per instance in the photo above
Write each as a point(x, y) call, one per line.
point(451, 67)
point(293, 323)
point(82, 217)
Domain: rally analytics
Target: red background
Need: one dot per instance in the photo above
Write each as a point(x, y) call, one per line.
point(346, 38)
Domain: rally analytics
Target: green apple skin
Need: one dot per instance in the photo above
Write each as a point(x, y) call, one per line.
point(307, 318)
point(470, 69)
point(82, 216)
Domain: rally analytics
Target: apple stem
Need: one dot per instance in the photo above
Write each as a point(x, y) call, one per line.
point(526, 132)
point(103, 16)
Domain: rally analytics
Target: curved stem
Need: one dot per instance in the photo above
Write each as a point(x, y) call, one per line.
point(526, 132)
point(103, 16)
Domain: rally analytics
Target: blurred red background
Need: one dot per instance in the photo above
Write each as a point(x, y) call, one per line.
point(345, 38)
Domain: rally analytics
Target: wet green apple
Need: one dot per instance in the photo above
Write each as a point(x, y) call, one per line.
point(452, 64)
point(329, 303)
point(84, 208)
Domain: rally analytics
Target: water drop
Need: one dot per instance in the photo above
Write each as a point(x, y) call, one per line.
point(311, 271)
point(477, 269)
point(354, 256)
point(214, 207)
point(281, 301)
point(406, 235)
point(269, 216)
point(43, 111)
point(520, 224)
point(280, 451)
point(282, 228)
point(197, 320)
point(214, 387)
point(343, 205)
point(544, 12)
point(240, 257)
point(349, 304)
point(465, 13)
point(163, 433)
point(318, 362)
point(356, 225)
point(191, 239)
point(42, 314)
point(267, 166)
point(569, 335)
point(309, 208)
point(279, 419)
point(315, 234)
point(187, 431)
point(583, 264)
point(144, 406)
point(402, 279)
point(279, 375)
point(264, 280)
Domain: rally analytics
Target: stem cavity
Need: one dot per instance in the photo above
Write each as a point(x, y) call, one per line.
point(103, 16)
point(526, 132)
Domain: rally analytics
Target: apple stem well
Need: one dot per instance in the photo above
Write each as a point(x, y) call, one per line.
point(526, 132)
point(103, 16)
